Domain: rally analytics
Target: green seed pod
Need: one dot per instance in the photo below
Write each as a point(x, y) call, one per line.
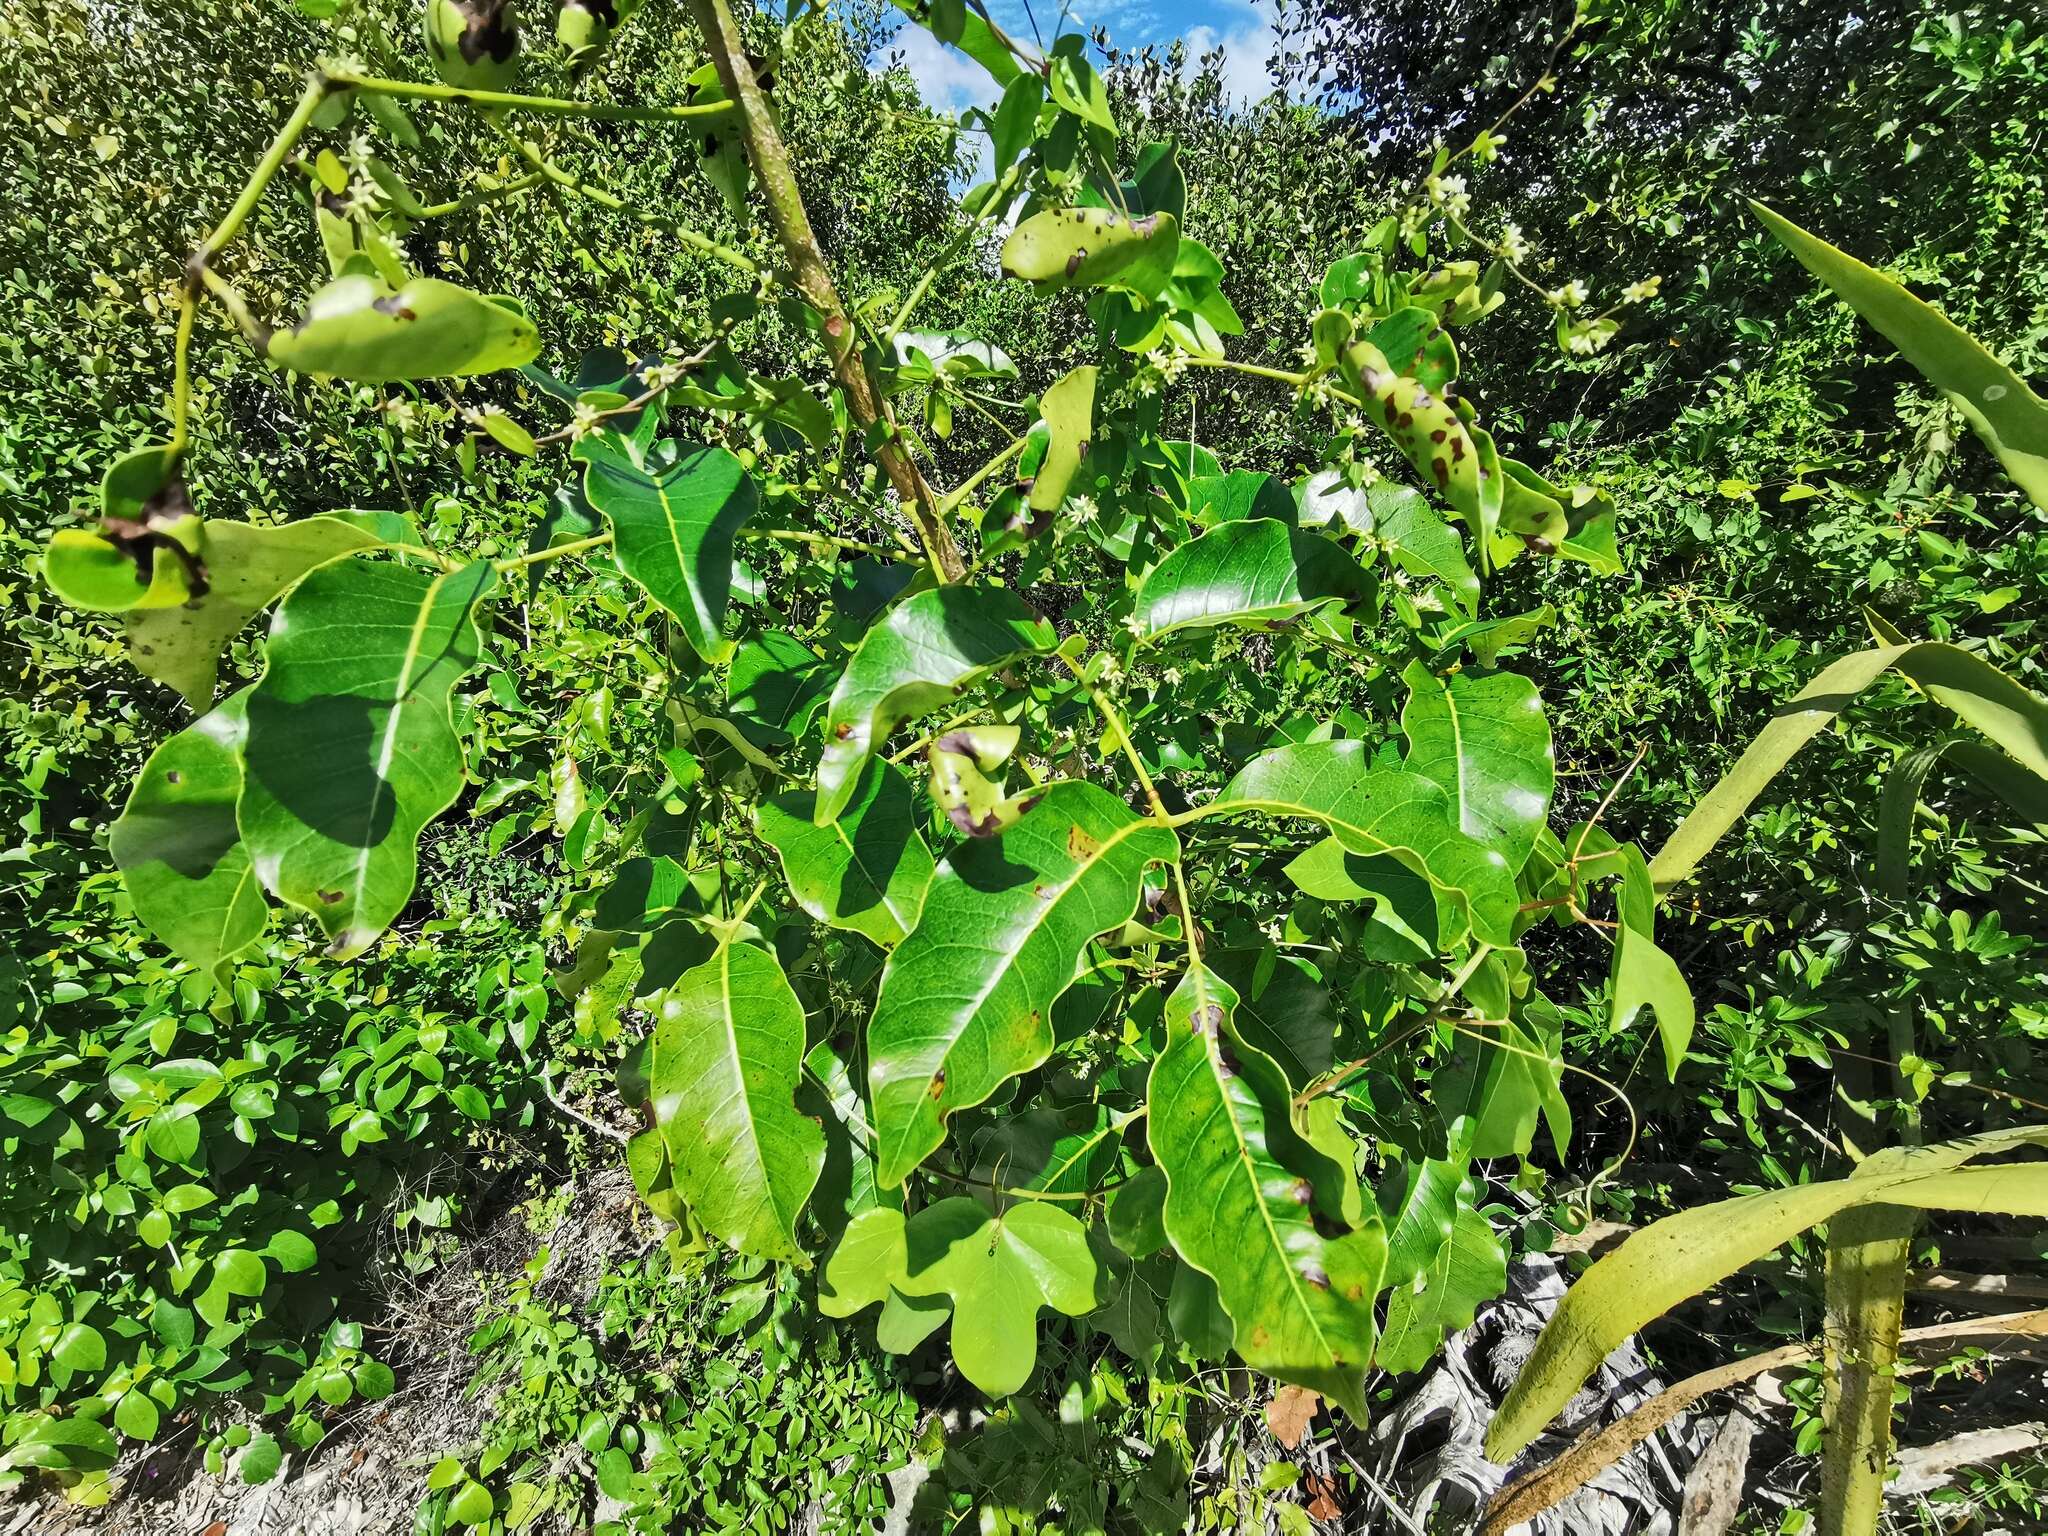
point(585, 26)
point(358, 328)
point(473, 44)
point(146, 551)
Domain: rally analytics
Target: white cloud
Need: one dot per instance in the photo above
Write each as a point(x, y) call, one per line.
point(948, 81)
point(1247, 42)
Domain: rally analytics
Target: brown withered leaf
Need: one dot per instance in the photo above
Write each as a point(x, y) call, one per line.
point(1287, 1415)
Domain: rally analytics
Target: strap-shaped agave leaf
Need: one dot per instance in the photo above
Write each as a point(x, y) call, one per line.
point(1069, 411)
point(352, 747)
point(1456, 458)
point(1094, 248)
point(722, 1067)
point(1251, 1204)
point(674, 511)
point(472, 44)
point(2013, 717)
point(999, 1270)
point(931, 649)
point(358, 328)
point(966, 999)
point(178, 849)
point(2010, 418)
point(1388, 811)
point(1668, 1261)
point(1484, 737)
point(247, 569)
point(1246, 572)
point(867, 869)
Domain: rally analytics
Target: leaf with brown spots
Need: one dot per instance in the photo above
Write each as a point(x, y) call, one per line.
point(966, 1000)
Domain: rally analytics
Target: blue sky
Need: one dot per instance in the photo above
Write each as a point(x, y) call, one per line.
point(951, 81)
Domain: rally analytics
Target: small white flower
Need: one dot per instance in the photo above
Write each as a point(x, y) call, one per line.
point(1570, 296)
point(1169, 364)
point(1514, 245)
point(1486, 148)
point(1635, 293)
point(663, 375)
point(1581, 344)
point(586, 420)
point(1449, 194)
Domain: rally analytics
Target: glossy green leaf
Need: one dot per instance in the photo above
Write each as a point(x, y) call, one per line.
point(1137, 1213)
point(2014, 718)
point(179, 850)
point(2010, 418)
point(1282, 1010)
point(1372, 811)
point(248, 568)
point(674, 511)
point(1261, 571)
point(1484, 738)
point(352, 747)
point(1254, 1206)
point(722, 1065)
point(868, 869)
point(1643, 975)
point(1660, 1265)
point(966, 999)
point(1094, 248)
point(1069, 411)
point(977, 39)
point(357, 328)
point(929, 651)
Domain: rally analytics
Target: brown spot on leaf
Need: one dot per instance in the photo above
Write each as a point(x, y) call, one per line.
point(842, 730)
point(938, 1084)
point(1316, 1276)
point(330, 897)
point(1080, 845)
point(1205, 1018)
point(172, 776)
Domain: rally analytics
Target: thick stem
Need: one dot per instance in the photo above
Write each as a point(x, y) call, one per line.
point(770, 160)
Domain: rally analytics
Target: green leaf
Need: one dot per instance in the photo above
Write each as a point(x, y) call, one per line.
point(866, 871)
point(1643, 975)
point(1374, 811)
point(136, 1416)
point(1253, 1205)
point(1485, 739)
point(248, 568)
point(1660, 1265)
point(178, 849)
point(1285, 1013)
point(1094, 248)
point(1487, 638)
point(1419, 1204)
point(966, 999)
point(2014, 718)
point(80, 1347)
point(999, 1271)
point(470, 1504)
point(1246, 572)
point(1492, 1092)
point(357, 328)
point(153, 563)
point(977, 39)
point(2010, 418)
point(674, 513)
point(1468, 1267)
point(1137, 1213)
point(1069, 411)
point(59, 1445)
point(352, 747)
point(929, 651)
point(722, 1066)
point(292, 1252)
point(1404, 927)
point(1077, 88)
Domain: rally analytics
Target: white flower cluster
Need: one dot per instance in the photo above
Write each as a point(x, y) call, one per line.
point(1570, 296)
point(1449, 193)
point(664, 375)
point(1514, 246)
point(586, 419)
point(1635, 293)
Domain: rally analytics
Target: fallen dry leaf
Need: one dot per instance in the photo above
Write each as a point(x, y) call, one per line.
point(1289, 1412)
point(1323, 1505)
